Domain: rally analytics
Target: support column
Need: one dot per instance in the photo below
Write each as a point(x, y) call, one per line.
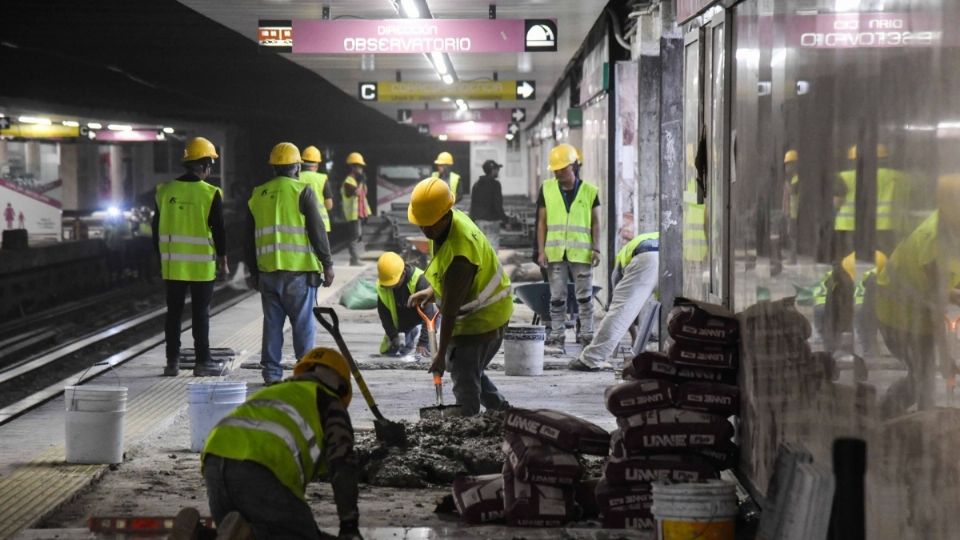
point(648, 126)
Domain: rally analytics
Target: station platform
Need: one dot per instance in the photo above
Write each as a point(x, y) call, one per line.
point(41, 496)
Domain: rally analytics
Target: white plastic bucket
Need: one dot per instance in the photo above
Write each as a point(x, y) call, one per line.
point(705, 511)
point(523, 350)
point(94, 423)
point(208, 403)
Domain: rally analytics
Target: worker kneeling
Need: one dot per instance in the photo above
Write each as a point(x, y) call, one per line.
point(396, 282)
point(258, 460)
point(634, 277)
point(472, 290)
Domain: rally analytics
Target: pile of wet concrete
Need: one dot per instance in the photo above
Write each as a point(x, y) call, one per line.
point(436, 451)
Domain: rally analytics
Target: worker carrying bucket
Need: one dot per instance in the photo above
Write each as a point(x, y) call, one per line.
point(396, 281)
point(258, 460)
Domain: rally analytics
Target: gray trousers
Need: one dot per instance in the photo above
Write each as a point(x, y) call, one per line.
point(583, 289)
point(490, 229)
point(355, 247)
point(471, 386)
point(251, 489)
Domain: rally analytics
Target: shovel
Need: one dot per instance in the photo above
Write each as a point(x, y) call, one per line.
point(439, 410)
point(390, 433)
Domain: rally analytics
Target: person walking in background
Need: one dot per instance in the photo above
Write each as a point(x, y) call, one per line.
point(486, 203)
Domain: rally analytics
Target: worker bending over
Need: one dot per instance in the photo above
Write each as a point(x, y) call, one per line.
point(396, 282)
point(634, 278)
point(473, 292)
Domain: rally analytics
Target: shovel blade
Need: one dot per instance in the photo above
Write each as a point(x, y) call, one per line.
point(390, 433)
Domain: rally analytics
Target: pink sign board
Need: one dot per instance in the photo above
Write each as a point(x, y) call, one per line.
point(133, 135)
point(410, 36)
point(433, 116)
point(469, 128)
point(864, 30)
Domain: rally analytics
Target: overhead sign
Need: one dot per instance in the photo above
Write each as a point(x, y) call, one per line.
point(275, 35)
point(411, 36)
point(405, 116)
point(469, 128)
point(518, 114)
point(513, 128)
point(434, 91)
point(434, 116)
point(4, 122)
point(40, 131)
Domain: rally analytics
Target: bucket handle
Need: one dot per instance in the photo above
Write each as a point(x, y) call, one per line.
point(80, 381)
point(213, 394)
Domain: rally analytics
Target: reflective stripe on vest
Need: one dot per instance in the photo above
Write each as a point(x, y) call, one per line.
point(281, 231)
point(317, 181)
point(488, 304)
point(390, 301)
point(569, 233)
point(626, 253)
point(694, 225)
point(186, 242)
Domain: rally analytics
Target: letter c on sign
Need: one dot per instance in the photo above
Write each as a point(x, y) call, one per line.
point(368, 91)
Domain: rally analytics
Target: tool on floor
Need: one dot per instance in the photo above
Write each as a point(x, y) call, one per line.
point(439, 410)
point(391, 433)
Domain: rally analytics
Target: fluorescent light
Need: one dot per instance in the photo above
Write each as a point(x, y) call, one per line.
point(445, 99)
point(119, 127)
point(439, 62)
point(448, 79)
point(71, 123)
point(168, 130)
point(410, 9)
point(442, 137)
point(94, 125)
point(35, 120)
point(949, 125)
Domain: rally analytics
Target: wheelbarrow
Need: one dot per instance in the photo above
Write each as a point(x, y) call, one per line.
point(537, 297)
point(439, 410)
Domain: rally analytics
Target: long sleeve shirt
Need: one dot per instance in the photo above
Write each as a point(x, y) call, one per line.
point(214, 221)
point(486, 200)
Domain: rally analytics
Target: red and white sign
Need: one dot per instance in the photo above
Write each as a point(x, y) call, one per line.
point(21, 208)
point(864, 30)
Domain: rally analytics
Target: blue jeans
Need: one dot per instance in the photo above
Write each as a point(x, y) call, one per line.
point(285, 294)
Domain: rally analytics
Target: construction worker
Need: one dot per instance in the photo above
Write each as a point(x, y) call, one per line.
point(486, 203)
point(792, 195)
point(258, 460)
point(356, 209)
point(444, 162)
point(396, 281)
point(568, 240)
point(890, 187)
point(694, 240)
point(189, 235)
point(919, 280)
point(635, 276)
point(310, 174)
point(473, 292)
point(289, 257)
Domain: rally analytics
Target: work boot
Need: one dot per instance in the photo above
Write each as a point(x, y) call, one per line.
point(577, 365)
point(234, 527)
point(207, 369)
point(186, 526)
point(172, 368)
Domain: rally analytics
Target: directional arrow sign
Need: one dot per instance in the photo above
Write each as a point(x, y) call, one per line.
point(513, 128)
point(526, 89)
point(518, 114)
point(4, 123)
point(404, 116)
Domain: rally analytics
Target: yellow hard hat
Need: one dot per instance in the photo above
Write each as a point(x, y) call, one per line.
point(849, 262)
point(882, 151)
point(312, 153)
point(579, 157)
point(430, 201)
point(199, 148)
point(852, 152)
point(389, 269)
point(790, 156)
point(443, 158)
point(880, 260)
point(322, 356)
point(355, 159)
point(285, 154)
point(562, 155)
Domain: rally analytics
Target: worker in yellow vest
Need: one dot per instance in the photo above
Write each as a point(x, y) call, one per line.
point(396, 282)
point(468, 282)
point(568, 241)
point(189, 235)
point(891, 184)
point(310, 175)
point(259, 459)
point(356, 208)
point(635, 277)
point(289, 256)
point(791, 191)
point(694, 241)
point(919, 281)
point(443, 163)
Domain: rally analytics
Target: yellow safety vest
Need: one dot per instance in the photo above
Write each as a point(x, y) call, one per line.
point(390, 301)
point(489, 303)
point(317, 181)
point(887, 180)
point(278, 427)
point(453, 183)
point(186, 241)
point(794, 197)
point(280, 228)
point(351, 204)
point(569, 233)
point(694, 225)
point(625, 255)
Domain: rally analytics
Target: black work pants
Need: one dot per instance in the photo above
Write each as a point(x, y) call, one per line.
point(201, 292)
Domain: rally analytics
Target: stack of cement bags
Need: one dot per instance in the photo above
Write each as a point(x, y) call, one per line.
point(673, 414)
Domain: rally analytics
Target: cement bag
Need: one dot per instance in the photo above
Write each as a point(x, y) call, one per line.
point(361, 295)
point(565, 431)
point(696, 354)
point(536, 505)
point(532, 460)
point(479, 499)
point(672, 438)
point(669, 415)
point(625, 506)
point(660, 468)
point(632, 397)
point(699, 321)
point(526, 272)
point(724, 456)
point(714, 398)
point(657, 365)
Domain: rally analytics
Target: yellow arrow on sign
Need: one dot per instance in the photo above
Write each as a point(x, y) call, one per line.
point(426, 91)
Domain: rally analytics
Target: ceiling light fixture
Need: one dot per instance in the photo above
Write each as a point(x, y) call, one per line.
point(439, 62)
point(442, 137)
point(119, 127)
point(94, 125)
point(447, 79)
point(410, 9)
point(168, 130)
point(71, 123)
point(35, 120)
